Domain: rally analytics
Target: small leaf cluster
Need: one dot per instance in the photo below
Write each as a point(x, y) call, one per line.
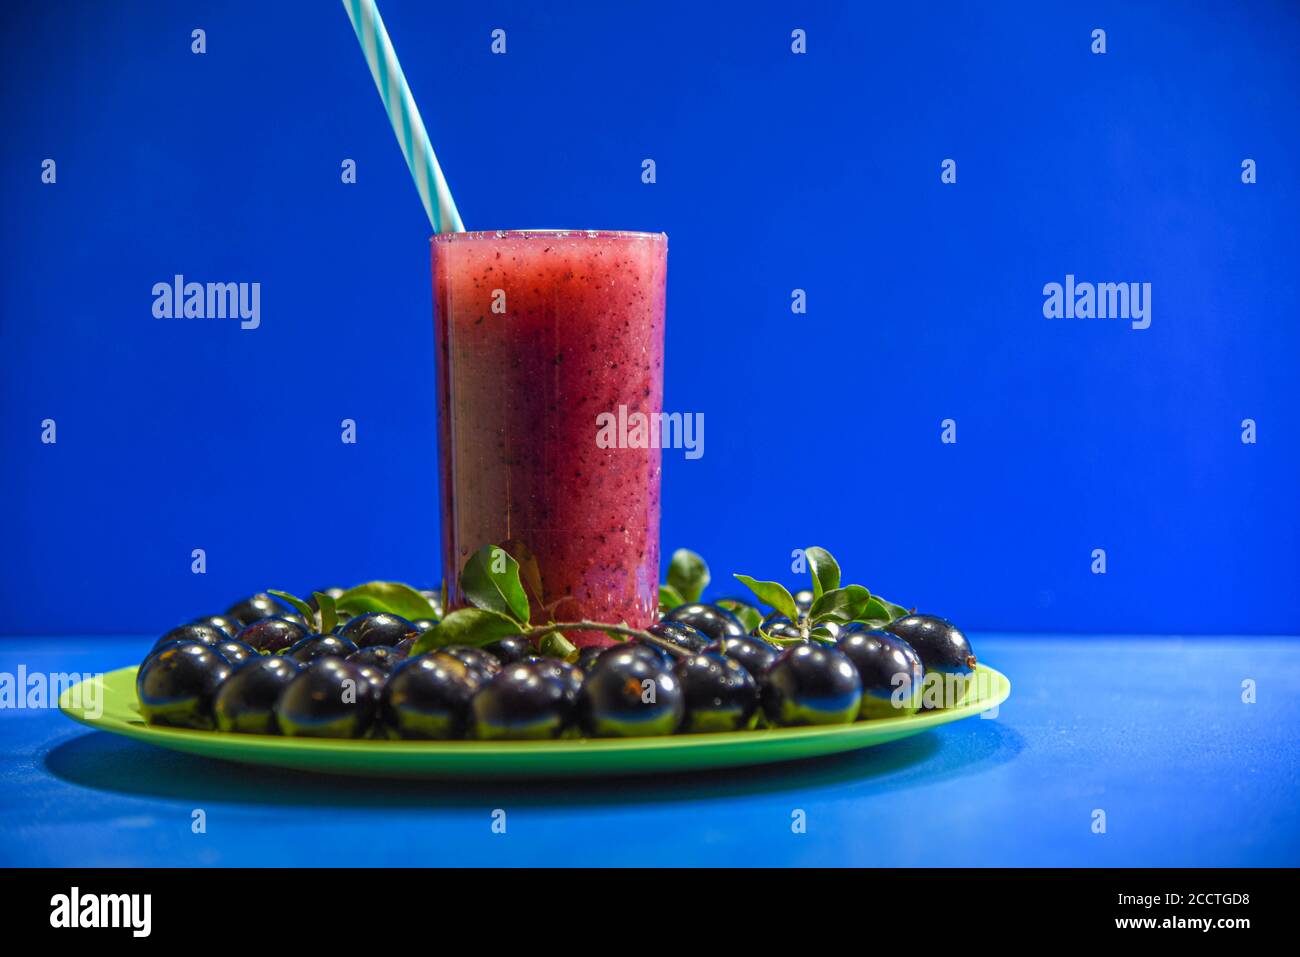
point(392, 597)
point(832, 601)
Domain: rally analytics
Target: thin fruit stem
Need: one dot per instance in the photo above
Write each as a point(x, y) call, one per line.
point(637, 633)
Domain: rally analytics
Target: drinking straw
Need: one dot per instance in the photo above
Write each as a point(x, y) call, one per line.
point(407, 125)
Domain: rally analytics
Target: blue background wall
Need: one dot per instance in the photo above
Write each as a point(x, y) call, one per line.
point(775, 171)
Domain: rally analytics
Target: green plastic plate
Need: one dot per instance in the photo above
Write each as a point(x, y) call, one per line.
point(485, 759)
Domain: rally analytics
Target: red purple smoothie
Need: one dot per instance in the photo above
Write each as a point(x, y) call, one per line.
point(538, 333)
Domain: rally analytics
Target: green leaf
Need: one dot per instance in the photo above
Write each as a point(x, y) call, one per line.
point(530, 572)
point(880, 610)
point(749, 616)
point(840, 604)
point(329, 614)
point(468, 626)
point(772, 594)
point(491, 581)
point(555, 645)
point(894, 611)
point(668, 598)
point(823, 634)
point(780, 642)
point(875, 624)
point(300, 606)
point(392, 597)
point(688, 575)
point(825, 571)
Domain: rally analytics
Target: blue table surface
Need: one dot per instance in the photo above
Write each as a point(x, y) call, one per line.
point(1151, 731)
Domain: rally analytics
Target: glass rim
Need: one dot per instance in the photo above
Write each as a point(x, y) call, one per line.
point(546, 234)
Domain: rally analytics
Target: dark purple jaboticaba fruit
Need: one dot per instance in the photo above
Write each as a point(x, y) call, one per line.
point(429, 697)
point(245, 701)
point(379, 656)
point(270, 636)
point(204, 634)
point(812, 684)
point(522, 702)
point(891, 673)
point(377, 628)
point(176, 685)
point(720, 694)
point(939, 642)
point(320, 646)
point(629, 693)
point(945, 652)
point(231, 626)
point(255, 607)
point(709, 620)
point(754, 653)
point(330, 698)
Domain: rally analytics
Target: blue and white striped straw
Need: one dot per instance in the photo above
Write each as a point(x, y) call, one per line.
point(405, 118)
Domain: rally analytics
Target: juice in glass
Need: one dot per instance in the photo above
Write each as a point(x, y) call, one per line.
point(538, 333)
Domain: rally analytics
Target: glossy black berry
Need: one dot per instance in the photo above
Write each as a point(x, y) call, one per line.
point(684, 636)
point(327, 699)
point(890, 670)
point(235, 651)
point(476, 659)
point(754, 654)
point(377, 628)
point(803, 601)
point(628, 694)
point(231, 626)
point(422, 625)
point(653, 653)
point(939, 642)
point(380, 656)
point(376, 679)
point(429, 697)
point(510, 650)
point(720, 693)
point(270, 636)
point(945, 653)
point(569, 676)
point(779, 626)
point(202, 634)
point(256, 607)
point(521, 703)
point(587, 656)
point(709, 620)
point(176, 686)
point(404, 646)
point(320, 646)
point(246, 700)
point(811, 684)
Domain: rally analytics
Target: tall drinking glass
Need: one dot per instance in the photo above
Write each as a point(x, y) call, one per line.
point(539, 334)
